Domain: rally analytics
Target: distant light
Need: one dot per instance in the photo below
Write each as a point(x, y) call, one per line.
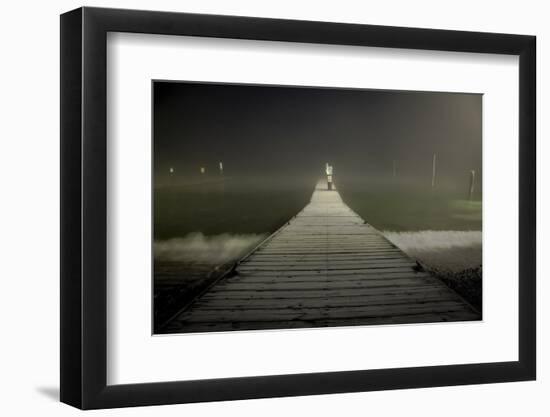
point(171, 170)
point(221, 166)
point(202, 170)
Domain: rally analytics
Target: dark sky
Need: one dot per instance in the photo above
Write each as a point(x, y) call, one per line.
point(269, 129)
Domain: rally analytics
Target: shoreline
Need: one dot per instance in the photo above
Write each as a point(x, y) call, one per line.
point(467, 283)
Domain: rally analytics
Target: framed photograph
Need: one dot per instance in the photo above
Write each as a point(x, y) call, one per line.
point(257, 208)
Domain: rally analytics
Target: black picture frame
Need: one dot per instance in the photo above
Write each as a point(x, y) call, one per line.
point(84, 207)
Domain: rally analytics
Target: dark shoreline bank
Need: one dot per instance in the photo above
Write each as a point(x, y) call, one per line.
point(467, 283)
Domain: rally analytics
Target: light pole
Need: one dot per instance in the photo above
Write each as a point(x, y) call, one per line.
point(328, 170)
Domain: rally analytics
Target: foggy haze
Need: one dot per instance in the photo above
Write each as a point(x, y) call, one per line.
point(257, 130)
point(274, 143)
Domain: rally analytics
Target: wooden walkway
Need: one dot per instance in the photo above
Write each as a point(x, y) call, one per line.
point(326, 267)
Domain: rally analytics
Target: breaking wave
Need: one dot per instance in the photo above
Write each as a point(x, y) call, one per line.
point(443, 250)
point(215, 250)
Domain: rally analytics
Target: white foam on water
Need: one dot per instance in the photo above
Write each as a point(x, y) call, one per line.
point(197, 247)
point(441, 249)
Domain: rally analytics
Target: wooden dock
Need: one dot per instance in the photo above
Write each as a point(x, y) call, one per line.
point(325, 267)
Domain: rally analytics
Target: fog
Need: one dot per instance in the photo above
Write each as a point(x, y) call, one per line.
point(270, 130)
point(274, 143)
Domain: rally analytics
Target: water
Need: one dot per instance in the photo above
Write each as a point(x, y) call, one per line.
point(217, 205)
point(441, 249)
point(202, 249)
point(438, 227)
point(412, 206)
point(202, 227)
point(217, 220)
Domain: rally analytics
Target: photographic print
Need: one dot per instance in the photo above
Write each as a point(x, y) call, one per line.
point(283, 207)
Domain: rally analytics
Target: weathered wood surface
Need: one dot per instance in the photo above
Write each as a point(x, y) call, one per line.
point(326, 267)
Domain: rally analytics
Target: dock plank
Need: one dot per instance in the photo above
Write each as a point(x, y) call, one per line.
point(325, 267)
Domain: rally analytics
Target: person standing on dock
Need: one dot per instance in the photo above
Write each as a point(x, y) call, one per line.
point(328, 170)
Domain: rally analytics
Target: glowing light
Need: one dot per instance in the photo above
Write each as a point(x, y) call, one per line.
point(171, 170)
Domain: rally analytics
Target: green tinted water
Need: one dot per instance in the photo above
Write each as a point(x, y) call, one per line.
point(262, 205)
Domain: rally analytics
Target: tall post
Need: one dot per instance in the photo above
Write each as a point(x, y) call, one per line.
point(171, 176)
point(433, 170)
point(472, 184)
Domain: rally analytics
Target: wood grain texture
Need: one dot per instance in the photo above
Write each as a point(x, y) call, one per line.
point(325, 267)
